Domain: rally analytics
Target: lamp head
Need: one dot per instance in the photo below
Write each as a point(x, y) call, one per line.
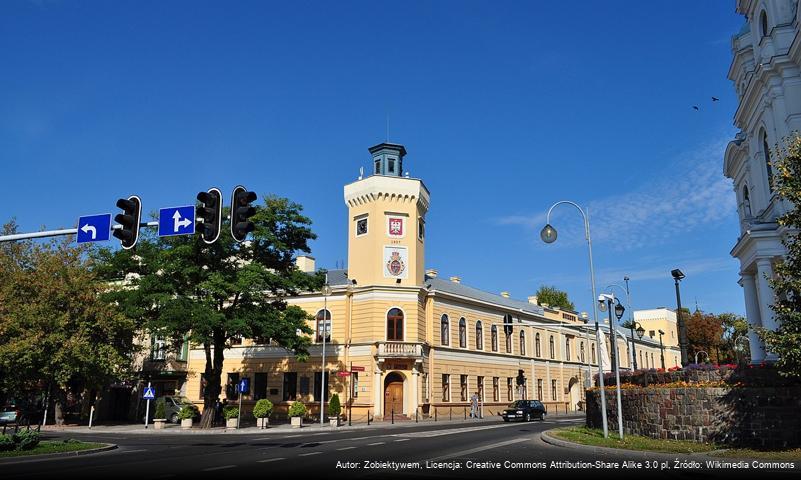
point(640, 332)
point(661, 332)
point(677, 274)
point(602, 303)
point(619, 309)
point(548, 234)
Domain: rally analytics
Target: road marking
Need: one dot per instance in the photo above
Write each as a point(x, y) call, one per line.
point(267, 460)
point(402, 440)
point(134, 451)
point(481, 449)
point(310, 453)
point(345, 448)
point(292, 436)
point(450, 431)
point(376, 443)
point(211, 469)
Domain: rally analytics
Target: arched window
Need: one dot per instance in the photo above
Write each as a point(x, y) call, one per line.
point(462, 333)
point(494, 339)
point(592, 352)
point(746, 203)
point(522, 342)
point(395, 325)
point(553, 347)
point(537, 348)
point(567, 349)
point(508, 343)
point(479, 336)
point(445, 330)
point(766, 153)
point(323, 325)
point(763, 24)
point(581, 349)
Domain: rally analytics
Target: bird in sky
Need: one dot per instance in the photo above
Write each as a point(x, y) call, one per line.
point(695, 107)
point(715, 99)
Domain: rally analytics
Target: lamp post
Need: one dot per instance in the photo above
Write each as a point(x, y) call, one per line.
point(548, 235)
point(677, 276)
point(326, 291)
point(661, 349)
point(628, 305)
point(608, 301)
point(696, 356)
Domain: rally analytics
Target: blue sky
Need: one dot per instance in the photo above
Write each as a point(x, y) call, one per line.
point(504, 108)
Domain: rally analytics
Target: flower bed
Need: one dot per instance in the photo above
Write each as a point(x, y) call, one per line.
point(701, 376)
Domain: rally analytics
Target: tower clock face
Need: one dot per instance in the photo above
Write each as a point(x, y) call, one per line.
point(361, 226)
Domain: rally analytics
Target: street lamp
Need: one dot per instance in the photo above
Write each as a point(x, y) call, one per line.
point(548, 235)
point(326, 291)
point(677, 276)
point(696, 356)
point(661, 348)
point(606, 301)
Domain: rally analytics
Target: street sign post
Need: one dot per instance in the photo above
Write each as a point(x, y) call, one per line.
point(243, 387)
point(343, 374)
point(94, 228)
point(356, 368)
point(148, 395)
point(177, 221)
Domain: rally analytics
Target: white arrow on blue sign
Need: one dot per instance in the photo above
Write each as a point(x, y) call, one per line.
point(149, 394)
point(94, 228)
point(177, 221)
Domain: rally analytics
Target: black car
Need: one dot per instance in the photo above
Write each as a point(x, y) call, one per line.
point(525, 410)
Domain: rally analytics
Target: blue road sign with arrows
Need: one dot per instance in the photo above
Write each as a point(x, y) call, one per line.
point(149, 394)
point(244, 385)
point(94, 228)
point(177, 221)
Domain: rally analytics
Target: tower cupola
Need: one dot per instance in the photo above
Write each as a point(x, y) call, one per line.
point(388, 159)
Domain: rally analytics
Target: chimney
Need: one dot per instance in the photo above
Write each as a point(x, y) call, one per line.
point(505, 294)
point(456, 279)
point(431, 273)
point(305, 263)
point(532, 299)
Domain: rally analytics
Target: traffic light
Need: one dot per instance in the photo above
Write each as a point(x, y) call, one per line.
point(129, 220)
point(209, 214)
point(241, 211)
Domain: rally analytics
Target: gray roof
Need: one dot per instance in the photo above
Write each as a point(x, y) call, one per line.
point(447, 286)
point(338, 278)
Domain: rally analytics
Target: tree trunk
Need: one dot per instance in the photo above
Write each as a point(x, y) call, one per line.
point(58, 406)
point(214, 365)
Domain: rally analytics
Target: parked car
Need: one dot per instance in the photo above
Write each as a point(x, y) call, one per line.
point(525, 410)
point(9, 414)
point(173, 405)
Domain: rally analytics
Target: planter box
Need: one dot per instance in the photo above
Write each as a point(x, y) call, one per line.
point(186, 424)
point(297, 422)
point(262, 422)
point(335, 422)
point(231, 423)
point(158, 423)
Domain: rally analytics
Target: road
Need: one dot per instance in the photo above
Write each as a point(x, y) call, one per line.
point(459, 450)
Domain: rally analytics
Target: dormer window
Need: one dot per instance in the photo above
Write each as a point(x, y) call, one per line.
point(391, 165)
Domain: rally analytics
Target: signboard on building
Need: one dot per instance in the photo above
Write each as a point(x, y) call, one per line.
point(396, 262)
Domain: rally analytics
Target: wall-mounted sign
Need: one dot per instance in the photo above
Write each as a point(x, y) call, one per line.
point(396, 262)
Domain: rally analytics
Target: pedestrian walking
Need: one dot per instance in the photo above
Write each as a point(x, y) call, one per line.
point(474, 406)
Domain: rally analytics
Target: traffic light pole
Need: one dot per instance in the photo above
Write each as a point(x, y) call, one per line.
point(57, 233)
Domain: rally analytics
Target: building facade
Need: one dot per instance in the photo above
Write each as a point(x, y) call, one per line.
point(766, 72)
point(401, 340)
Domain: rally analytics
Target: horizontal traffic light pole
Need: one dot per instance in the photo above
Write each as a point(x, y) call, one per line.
point(58, 233)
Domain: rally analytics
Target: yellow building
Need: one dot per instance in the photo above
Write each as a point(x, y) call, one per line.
point(414, 342)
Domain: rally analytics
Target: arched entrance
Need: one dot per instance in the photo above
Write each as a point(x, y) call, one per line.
point(573, 388)
point(393, 394)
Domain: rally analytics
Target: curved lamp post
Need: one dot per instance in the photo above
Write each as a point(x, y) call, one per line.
point(548, 235)
point(633, 363)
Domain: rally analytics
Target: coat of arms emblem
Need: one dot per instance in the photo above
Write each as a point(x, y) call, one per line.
point(395, 265)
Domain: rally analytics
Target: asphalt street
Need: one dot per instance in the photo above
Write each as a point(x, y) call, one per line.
point(454, 450)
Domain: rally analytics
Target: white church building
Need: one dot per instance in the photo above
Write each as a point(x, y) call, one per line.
point(766, 71)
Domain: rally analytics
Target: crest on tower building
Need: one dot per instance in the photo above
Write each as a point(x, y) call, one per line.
point(395, 226)
point(395, 262)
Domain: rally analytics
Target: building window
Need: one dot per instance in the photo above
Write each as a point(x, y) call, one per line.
point(395, 325)
point(552, 347)
point(446, 387)
point(479, 336)
point(746, 203)
point(480, 388)
point(231, 388)
point(539, 389)
point(567, 349)
point(652, 333)
point(377, 166)
point(494, 339)
point(421, 228)
point(290, 386)
point(445, 330)
point(323, 326)
point(522, 343)
point(537, 346)
point(509, 389)
point(463, 387)
point(462, 333)
point(496, 393)
point(553, 389)
point(508, 343)
point(305, 389)
point(318, 383)
point(158, 348)
point(355, 383)
point(592, 348)
point(259, 386)
point(236, 340)
point(361, 226)
point(653, 364)
point(763, 24)
point(766, 153)
point(391, 165)
point(581, 349)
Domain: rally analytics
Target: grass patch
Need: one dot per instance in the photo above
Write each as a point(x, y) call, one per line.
point(595, 437)
point(52, 446)
point(780, 455)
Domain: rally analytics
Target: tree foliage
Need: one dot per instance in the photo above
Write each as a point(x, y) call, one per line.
point(714, 334)
point(786, 284)
point(180, 286)
point(554, 297)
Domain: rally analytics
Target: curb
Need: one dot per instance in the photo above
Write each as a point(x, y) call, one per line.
point(45, 456)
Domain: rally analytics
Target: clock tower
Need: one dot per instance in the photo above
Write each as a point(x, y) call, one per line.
point(386, 215)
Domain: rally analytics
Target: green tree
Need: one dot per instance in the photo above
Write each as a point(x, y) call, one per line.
point(179, 286)
point(734, 327)
point(554, 297)
point(56, 332)
point(786, 340)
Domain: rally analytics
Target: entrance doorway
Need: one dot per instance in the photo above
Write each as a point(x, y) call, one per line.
point(393, 394)
point(575, 400)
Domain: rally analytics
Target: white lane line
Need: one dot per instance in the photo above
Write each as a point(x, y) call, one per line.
point(402, 440)
point(345, 448)
point(450, 431)
point(310, 453)
point(267, 460)
point(376, 443)
point(211, 469)
point(133, 451)
point(481, 449)
point(292, 436)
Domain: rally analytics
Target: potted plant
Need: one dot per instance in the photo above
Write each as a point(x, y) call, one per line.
point(334, 409)
point(262, 411)
point(296, 412)
point(160, 414)
point(187, 415)
point(231, 414)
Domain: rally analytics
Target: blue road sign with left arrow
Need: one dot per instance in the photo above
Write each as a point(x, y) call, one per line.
point(149, 393)
point(94, 228)
point(177, 221)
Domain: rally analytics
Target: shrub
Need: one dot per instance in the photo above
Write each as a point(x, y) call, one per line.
point(263, 408)
point(7, 443)
point(334, 408)
point(297, 409)
point(161, 408)
point(230, 412)
point(188, 411)
point(26, 439)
